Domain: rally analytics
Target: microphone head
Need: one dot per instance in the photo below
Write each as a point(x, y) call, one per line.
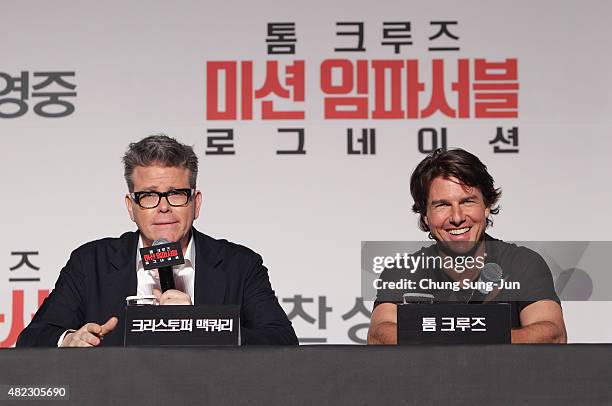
point(422, 298)
point(160, 241)
point(490, 272)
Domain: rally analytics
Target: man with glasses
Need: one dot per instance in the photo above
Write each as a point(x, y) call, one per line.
point(86, 307)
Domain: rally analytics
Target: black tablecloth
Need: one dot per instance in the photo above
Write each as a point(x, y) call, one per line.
point(309, 375)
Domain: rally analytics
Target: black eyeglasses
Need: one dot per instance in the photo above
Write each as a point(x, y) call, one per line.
point(175, 198)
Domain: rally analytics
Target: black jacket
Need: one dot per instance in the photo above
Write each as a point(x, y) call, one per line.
point(99, 275)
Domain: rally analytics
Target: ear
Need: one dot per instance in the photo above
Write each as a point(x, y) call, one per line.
point(198, 204)
point(129, 204)
point(426, 220)
point(487, 212)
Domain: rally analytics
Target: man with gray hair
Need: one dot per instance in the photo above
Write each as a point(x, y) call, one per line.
point(86, 307)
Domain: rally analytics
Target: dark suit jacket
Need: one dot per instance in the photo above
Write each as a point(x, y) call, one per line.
point(99, 275)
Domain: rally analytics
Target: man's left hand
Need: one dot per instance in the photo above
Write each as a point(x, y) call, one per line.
point(172, 297)
point(542, 322)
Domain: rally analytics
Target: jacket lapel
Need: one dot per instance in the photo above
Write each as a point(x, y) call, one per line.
point(119, 281)
point(210, 279)
point(121, 275)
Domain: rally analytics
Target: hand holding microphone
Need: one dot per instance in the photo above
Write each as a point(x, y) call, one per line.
point(172, 297)
point(162, 256)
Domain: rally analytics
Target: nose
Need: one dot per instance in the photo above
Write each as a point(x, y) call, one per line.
point(457, 216)
point(164, 206)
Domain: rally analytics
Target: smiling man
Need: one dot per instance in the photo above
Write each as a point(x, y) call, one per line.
point(86, 308)
point(455, 197)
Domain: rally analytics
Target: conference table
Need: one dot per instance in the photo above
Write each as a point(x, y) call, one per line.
point(576, 374)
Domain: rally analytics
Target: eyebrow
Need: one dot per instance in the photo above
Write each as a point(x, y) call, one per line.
point(155, 189)
point(465, 199)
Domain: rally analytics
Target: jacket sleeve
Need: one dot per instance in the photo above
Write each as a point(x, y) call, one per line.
point(62, 310)
point(265, 322)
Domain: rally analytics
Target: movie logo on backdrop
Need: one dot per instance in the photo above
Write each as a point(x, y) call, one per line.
point(358, 88)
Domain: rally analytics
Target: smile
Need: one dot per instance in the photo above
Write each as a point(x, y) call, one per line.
point(459, 231)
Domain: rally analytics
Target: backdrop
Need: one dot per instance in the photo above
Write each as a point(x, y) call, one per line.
point(308, 119)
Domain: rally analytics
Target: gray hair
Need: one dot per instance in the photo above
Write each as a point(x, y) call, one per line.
point(160, 150)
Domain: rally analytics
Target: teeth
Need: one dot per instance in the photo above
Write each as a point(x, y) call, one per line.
point(459, 231)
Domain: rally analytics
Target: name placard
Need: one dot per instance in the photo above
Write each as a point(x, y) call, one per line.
point(199, 325)
point(447, 323)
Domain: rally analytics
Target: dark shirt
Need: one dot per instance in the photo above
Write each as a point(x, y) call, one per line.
point(519, 264)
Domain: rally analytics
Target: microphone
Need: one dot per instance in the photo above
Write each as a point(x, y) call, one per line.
point(490, 273)
point(418, 298)
point(166, 276)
